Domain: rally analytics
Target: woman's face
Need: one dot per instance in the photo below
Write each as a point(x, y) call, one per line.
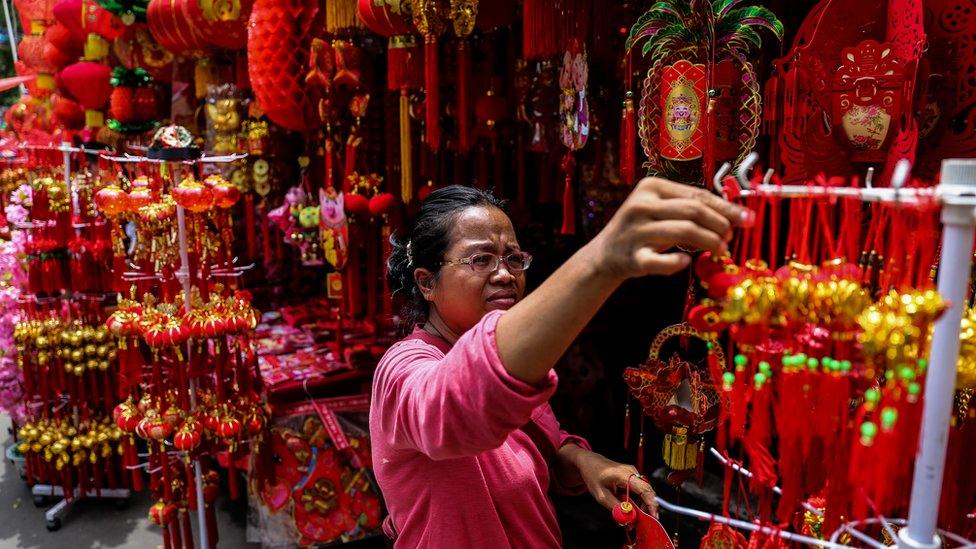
point(458, 295)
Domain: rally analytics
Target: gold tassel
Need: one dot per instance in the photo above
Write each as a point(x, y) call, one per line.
point(204, 75)
point(678, 454)
point(341, 14)
point(406, 164)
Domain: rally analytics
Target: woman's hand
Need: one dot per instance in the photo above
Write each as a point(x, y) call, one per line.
point(659, 215)
point(605, 479)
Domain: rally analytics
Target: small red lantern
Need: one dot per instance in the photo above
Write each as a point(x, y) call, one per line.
point(225, 194)
point(188, 437)
point(229, 427)
point(126, 417)
point(139, 197)
point(193, 196)
point(381, 204)
point(155, 428)
point(357, 205)
point(162, 513)
point(89, 83)
point(112, 201)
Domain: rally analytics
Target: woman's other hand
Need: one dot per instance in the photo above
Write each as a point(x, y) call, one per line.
point(659, 215)
point(607, 481)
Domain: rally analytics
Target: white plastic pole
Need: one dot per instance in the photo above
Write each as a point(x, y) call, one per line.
point(187, 302)
point(954, 270)
point(12, 38)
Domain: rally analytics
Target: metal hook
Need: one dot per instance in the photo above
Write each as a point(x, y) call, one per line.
point(742, 173)
point(869, 179)
point(769, 176)
point(723, 171)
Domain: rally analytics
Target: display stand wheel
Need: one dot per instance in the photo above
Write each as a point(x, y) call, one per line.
point(53, 525)
point(40, 501)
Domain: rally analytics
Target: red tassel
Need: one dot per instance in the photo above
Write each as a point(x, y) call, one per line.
point(232, 484)
point(212, 535)
point(174, 534)
point(167, 544)
point(432, 88)
point(569, 199)
point(464, 89)
point(187, 529)
point(628, 135)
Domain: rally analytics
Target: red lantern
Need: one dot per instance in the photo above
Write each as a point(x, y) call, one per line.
point(188, 437)
point(139, 197)
point(84, 17)
point(162, 513)
point(112, 201)
point(193, 195)
point(61, 38)
point(176, 25)
point(89, 83)
point(126, 417)
point(34, 14)
point(356, 204)
point(229, 427)
point(381, 204)
point(155, 428)
point(278, 49)
point(225, 195)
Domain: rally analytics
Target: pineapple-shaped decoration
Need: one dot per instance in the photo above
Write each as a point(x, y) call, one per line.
point(132, 105)
point(699, 72)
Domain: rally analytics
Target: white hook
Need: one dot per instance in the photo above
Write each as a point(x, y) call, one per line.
point(742, 174)
point(769, 176)
point(723, 171)
point(869, 179)
point(900, 175)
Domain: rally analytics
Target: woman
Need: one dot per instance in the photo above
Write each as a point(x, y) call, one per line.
point(465, 446)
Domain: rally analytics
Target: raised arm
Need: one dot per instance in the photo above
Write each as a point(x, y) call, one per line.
point(657, 216)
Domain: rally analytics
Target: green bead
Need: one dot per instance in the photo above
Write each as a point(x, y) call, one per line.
point(868, 430)
point(728, 378)
point(890, 374)
point(764, 367)
point(914, 389)
point(708, 345)
point(872, 395)
point(845, 365)
point(923, 363)
point(827, 361)
point(800, 358)
point(906, 373)
point(760, 379)
point(812, 363)
point(741, 360)
point(888, 418)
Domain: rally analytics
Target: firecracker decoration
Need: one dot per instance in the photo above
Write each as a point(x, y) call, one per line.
point(684, 44)
point(132, 105)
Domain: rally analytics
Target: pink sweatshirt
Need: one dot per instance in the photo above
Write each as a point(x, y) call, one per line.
point(450, 454)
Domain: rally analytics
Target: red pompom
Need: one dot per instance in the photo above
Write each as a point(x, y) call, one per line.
point(381, 204)
point(624, 513)
point(357, 204)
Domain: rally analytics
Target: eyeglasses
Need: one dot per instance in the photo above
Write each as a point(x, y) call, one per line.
point(484, 262)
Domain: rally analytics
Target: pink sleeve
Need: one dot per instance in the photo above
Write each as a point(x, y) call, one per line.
point(457, 405)
point(546, 419)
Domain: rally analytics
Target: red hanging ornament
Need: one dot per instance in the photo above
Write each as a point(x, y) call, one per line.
point(90, 84)
point(278, 52)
